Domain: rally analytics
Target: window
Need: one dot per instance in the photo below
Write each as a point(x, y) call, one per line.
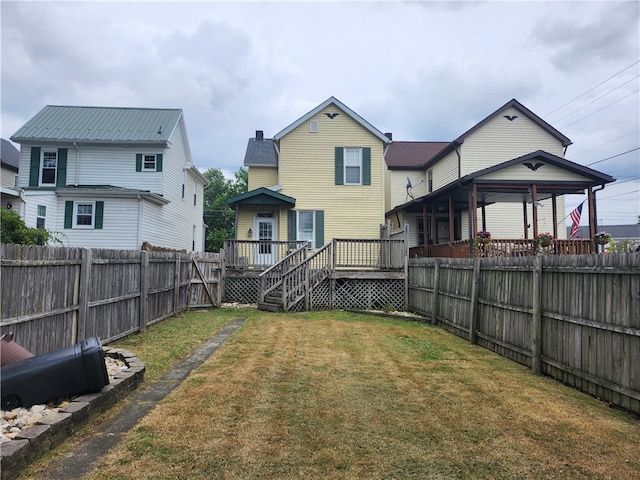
point(352, 166)
point(306, 227)
point(148, 162)
point(15, 180)
point(41, 215)
point(184, 181)
point(430, 181)
point(49, 167)
point(313, 126)
point(83, 215)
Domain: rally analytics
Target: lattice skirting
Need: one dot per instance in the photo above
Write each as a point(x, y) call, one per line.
point(242, 290)
point(369, 294)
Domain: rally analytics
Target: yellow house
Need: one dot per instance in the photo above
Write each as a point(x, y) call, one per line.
point(320, 178)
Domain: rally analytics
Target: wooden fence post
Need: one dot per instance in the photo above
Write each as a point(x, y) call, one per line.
point(223, 277)
point(144, 290)
point(434, 302)
point(176, 285)
point(406, 266)
point(475, 288)
point(83, 297)
point(536, 324)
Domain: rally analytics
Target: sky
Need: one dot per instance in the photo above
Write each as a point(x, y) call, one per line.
point(423, 70)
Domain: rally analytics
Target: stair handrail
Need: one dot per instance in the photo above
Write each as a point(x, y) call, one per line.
point(300, 279)
point(272, 277)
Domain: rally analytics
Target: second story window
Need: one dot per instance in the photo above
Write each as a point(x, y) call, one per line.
point(147, 162)
point(49, 167)
point(352, 166)
point(430, 181)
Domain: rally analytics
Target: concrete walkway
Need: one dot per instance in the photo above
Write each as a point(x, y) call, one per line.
point(86, 456)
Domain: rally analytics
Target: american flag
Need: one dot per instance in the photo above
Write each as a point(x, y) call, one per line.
point(575, 218)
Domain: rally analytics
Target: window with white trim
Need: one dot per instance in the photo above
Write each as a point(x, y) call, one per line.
point(83, 214)
point(49, 168)
point(149, 162)
point(352, 166)
point(430, 181)
point(41, 216)
point(306, 226)
point(16, 180)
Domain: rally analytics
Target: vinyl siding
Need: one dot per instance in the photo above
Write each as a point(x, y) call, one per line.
point(49, 200)
point(247, 216)
point(262, 177)
point(307, 173)
point(445, 170)
point(398, 186)
point(500, 140)
point(545, 172)
point(7, 176)
point(505, 220)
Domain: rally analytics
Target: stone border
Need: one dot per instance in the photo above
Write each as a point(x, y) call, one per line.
point(55, 428)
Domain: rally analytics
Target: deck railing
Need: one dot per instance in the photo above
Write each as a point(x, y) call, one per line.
point(271, 278)
point(256, 254)
point(383, 254)
point(503, 248)
point(298, 281)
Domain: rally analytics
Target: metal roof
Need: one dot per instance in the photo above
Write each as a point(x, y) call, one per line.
point(99, 124)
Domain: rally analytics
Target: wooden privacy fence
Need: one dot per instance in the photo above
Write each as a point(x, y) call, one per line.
point(574, 318)
point(56, 297)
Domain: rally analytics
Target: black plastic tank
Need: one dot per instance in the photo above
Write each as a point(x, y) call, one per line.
point(55, 375)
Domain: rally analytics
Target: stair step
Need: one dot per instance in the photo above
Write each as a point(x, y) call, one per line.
point(270, 307)
point(273, 300)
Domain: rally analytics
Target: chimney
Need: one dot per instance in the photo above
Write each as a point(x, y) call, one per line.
point(389, 135)
point(259, 135)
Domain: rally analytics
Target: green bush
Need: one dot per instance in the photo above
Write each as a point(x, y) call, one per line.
point(14, 230)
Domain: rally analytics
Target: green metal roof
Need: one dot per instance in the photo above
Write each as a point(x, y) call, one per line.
point(99, 124)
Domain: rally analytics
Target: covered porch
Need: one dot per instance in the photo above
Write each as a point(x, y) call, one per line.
point(453, 214)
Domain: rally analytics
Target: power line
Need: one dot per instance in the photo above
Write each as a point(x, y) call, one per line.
point(606, 143)
point(613, 156)
point(596, 99)
point(593, 88)
point(600, 109)
point(618, 195)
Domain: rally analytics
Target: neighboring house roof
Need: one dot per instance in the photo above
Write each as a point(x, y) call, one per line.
point(99, 124)
point(513, 103)
point(260, 153)
point(341, 106)
point(111, 191)
point(616, 231)
point(9, 155)
point(261, 196)
point(412, 155)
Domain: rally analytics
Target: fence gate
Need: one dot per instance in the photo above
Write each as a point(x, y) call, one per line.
point(205, 289)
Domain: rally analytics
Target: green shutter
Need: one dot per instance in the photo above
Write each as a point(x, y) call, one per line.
point(339, 157)
point(159, 162)
point(319, 228)
point(366, 166)
point(68, 214)
point(34, 167)
point(138, 162)
point(292, 233)
point(99, 215)
point(61, 179)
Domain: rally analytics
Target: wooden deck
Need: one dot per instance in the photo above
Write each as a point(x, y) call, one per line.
point(503, 248)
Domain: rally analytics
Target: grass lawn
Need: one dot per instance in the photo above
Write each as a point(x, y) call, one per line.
point(348, 396)
point(337, 395)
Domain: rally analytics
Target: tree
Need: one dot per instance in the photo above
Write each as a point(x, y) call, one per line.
point(14, 230)
point(218, 216)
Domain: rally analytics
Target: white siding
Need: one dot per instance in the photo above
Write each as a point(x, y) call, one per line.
point(398, 186)
point(500, 140)
point(47, 199)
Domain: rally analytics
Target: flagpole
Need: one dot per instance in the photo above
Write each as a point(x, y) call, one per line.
point(565, 217)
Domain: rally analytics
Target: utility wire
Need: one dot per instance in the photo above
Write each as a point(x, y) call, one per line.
point(613, 156)
point(600, 109)
point(606, 143)
point(618, 195)
point(593, 88)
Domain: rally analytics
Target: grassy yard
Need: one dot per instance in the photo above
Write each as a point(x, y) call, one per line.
point(335, 395)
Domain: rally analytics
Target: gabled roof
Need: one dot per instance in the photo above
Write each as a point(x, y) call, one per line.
point(99, 125)
point(412, 155)
point(260, 153)
point(513, 103)
point(261, 196)
point(341, 106)
point(9, 155)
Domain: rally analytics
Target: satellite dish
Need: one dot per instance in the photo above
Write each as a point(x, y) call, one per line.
point(408, 182)
point(409, 192)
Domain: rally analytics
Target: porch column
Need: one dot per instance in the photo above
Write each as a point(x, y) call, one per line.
point(474, 209)
point(451, 229)
point(425, 237)
point(593, 220)
point(484, 216)
point(434, 225)
point(555, 215)
point(526, 219)
point(534, 194)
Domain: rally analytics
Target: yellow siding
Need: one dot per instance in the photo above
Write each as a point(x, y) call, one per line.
point(262, 177)
point(307, 174)
point(398, 186)
point(247, 217)
point(500, 140)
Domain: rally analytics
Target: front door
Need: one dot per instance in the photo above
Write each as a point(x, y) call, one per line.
point(265, 250)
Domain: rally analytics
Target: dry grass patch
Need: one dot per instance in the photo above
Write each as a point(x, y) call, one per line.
point(338, 395)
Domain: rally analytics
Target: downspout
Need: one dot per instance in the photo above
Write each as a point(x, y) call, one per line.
point(595, 208)
point(140, 214)
point(77, 163)
point(459, 160)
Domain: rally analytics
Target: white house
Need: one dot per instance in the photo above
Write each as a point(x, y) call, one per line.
point(111, 177)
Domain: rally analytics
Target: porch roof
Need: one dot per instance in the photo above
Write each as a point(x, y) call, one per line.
point(492, 190)
point(261, 196)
